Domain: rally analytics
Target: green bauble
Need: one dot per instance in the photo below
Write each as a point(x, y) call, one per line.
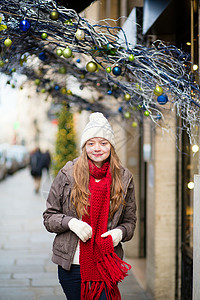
point(1, 63)
point(146, 113)
point(63, 90)
point(158, 90)
point(127, 115)
point(131, 57)
point(108, 69)
point(62, 70)
point(37, 81)
point(67, 52)
point(54, 15)
point(127, 97)
point(7, 42)
point(43, 90)
point(91, 66)
point(69, 92)
point(59, 52)
point(134, 124)
point(44, 35)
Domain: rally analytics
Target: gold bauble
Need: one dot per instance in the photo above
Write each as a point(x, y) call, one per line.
point(158, 90)
point(127, 97)
point(80, 34)
point(91, 66)
point(54, 15)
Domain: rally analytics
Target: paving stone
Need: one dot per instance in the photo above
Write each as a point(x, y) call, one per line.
point(38, 276)
point(21, 269)
point(14, 282)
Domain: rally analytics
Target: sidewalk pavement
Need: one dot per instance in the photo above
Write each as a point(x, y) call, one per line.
point(26, 270)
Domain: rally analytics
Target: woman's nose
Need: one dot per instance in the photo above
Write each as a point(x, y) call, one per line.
point(97, 147)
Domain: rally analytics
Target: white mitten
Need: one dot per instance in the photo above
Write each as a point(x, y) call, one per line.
point(81, 229)
point(116, 235)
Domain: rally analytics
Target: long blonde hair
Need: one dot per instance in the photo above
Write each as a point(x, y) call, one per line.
point(80, 192)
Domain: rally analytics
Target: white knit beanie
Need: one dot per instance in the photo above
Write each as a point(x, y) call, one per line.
point(98, 126)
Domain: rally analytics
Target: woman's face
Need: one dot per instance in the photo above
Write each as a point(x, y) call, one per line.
point(98, 150)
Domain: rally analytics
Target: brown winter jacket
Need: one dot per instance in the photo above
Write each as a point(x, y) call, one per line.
point(60, 211)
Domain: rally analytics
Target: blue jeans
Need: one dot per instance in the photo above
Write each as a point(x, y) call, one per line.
point(71, 283)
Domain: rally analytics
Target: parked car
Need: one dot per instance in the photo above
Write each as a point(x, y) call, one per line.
point(3, 168)
point(20, 154)
point(11, 163)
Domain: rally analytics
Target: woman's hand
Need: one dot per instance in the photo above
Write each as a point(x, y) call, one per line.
point(116, 235)
point(81, 229)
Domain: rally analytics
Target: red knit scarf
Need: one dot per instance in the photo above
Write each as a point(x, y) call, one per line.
point(101, 269)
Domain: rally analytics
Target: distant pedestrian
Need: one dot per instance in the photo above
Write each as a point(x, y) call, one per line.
point(46, 160)
point(91, 207)
point(36, 165)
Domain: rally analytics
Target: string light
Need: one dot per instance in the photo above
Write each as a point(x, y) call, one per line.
point(195, 148)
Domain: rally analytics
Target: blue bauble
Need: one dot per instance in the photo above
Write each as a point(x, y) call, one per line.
point(158, 116)
point(56, 88)
point(120, 109)
point(109, 92)
point(116, 71)
point(42, 56)
point(78, 60)
point(162, 99)
point(24, 25)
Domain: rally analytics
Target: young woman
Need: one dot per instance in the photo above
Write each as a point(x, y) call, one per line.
point(91, 207)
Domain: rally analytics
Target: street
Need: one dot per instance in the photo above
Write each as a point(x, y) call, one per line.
point(26, 270)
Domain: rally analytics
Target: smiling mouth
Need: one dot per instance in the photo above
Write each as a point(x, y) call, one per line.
point(97, 155)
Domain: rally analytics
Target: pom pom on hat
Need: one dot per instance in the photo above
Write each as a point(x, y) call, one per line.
point(98, 126)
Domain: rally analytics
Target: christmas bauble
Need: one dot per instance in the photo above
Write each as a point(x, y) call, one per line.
point(162, 99)
point(108, 69)
point(120, 109)
point(43, 90)
point(67, 52)
point(64, 90)
point(7, 42)
point(158, 116)
point(56, 88)
point(158, 90)
point(109, 92)
point(59, 52)
point(82, 76)
point(116, 71)
point(146, 113)
point(91, 66)
point(42, 56)
point(127, 115)
point(134, 124)
point(80, 34)
point(69, 92)
point(24, 25)
point(54, 15)
point(44, 35)
point(127, 97)
point(78, 60)
point(1, 63)
point(62, 70)
point(68, 22)
point(131, 57)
